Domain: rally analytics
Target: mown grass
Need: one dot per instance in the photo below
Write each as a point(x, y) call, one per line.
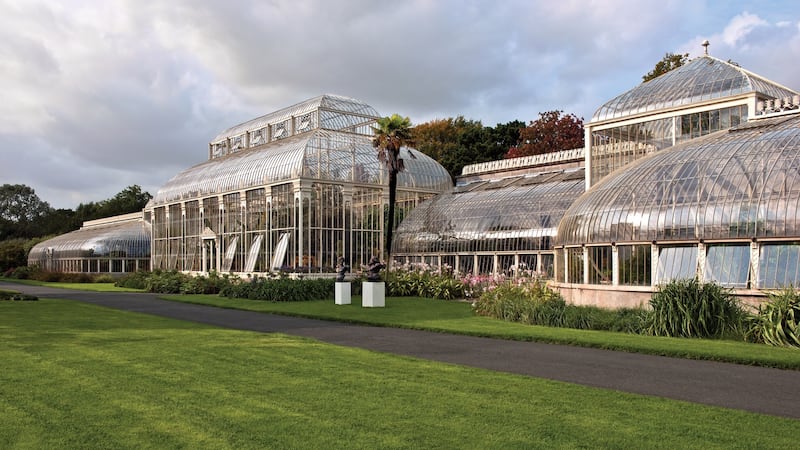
point(79, 376)
point(94, 287)
point(457, 317)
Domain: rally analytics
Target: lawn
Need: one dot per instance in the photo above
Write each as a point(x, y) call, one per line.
point(80, 376)
point(95, 287)
point(457, 317)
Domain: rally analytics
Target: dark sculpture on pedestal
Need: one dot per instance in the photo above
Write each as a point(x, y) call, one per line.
point(374, 268)
point(341, 268)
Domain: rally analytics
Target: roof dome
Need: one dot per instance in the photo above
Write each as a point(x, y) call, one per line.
point(701, 79)
point(739, 183)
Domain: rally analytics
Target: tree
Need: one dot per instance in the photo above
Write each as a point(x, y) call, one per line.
point(391, 133)
point(131, 199)
point(669, 62)
point(552, 132)
point(457, 142)
point(20, 211)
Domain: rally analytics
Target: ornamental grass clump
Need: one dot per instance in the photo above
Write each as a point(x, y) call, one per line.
point(422, 280)
point(777, 321)
point(688, 308)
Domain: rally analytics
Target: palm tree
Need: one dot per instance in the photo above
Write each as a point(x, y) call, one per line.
point(391, 133)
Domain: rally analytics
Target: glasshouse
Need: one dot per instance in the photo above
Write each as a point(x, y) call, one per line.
point(500, 217)
point(292, 190)
point(113, 245)
point(713, 192)
point(693, 174)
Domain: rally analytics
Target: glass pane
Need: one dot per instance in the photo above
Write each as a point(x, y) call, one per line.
point(728, 265)
point(779, 265)
point(677, 263)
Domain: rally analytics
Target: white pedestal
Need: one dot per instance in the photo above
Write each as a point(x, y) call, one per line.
point(373, 294)
point(342, 293)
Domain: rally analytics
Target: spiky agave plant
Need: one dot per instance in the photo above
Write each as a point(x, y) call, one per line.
point(778, 320)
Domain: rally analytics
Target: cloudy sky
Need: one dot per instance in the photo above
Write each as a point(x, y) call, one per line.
point(99, 95)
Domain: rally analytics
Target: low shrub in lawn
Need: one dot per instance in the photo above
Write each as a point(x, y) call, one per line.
point(777, 321)
point(280, 289)
point(174, 282)
point(133, 280)
point(532, 303)
point(536, 304)
point(16, 297)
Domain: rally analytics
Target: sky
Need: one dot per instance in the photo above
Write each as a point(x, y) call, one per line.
point(101, 95)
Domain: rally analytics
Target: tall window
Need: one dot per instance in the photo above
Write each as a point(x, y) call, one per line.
point(600, 265)
point(634, 265)
point(575, 265)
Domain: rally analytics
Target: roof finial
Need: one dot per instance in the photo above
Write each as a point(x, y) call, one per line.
point(706, 44)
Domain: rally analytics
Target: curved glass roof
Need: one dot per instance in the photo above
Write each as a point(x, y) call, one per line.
point(514, 213)
point(701, 79)
point(739, 183)
point(336, 113)
point(321, 156)
point(129, 239)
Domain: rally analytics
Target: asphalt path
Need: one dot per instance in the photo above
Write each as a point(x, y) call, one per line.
point(756, 389)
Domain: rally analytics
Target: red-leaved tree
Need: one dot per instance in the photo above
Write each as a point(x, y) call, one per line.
point(552, 132)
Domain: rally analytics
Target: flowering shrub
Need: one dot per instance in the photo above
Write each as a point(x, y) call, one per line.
point(531, 303)
point(476, 285)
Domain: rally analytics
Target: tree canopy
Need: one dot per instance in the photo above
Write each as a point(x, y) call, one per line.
point(456, 142)
point(552, 132)
point(21, 212)
point(669, 62)
point(24, 215)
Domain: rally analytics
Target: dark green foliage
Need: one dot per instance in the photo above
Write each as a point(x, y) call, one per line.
point(778, 320)
point(24, 215)
point(34, 273)
point(277, 290)
point(456, 142)
point(16, 297)
point(174, 282)
point(280, 289)
point(424, 283)
point(13, 253)
point(533, 304)
point(21, 212)
point(687, 308)
point(134, 280)
point(536, 304)
point(670, 61)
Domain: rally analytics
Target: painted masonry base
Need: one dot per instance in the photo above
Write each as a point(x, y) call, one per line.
point(342, 293)
point(373, 294)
